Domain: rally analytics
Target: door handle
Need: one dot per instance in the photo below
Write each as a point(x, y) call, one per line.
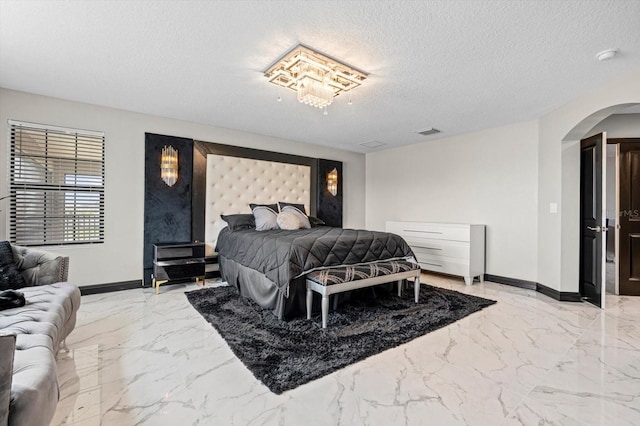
point(597, 228)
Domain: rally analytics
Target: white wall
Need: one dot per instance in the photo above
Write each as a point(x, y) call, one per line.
point(120, 257)
point(488, 177)
point(618, 126)
point(559, 176)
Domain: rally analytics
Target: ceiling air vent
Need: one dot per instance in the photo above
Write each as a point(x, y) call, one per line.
point(428, 132)
point(373, 144)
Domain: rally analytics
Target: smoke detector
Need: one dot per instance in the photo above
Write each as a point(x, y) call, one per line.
point(606, 55)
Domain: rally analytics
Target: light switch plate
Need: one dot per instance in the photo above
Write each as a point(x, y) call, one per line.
point(553, 207)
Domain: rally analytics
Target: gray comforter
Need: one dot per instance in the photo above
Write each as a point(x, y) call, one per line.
point(284, 255)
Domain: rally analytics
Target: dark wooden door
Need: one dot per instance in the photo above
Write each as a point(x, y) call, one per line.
point(629, 219)
point(592, 214)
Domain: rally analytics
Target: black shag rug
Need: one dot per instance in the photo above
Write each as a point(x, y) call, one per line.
point(284, 355)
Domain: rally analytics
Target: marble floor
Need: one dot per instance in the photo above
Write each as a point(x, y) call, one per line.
point(140, 359)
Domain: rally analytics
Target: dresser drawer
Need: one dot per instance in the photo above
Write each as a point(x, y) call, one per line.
point(450, 248)
point(457, 250)
point(417, 230)
point(444, 266)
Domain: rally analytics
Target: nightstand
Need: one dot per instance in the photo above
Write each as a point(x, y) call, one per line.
point(179, 261)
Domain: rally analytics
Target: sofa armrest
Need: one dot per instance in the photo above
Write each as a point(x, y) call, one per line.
point(7, 350)
point(39, 267)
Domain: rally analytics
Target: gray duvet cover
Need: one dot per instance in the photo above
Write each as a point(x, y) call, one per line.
point(284, 255)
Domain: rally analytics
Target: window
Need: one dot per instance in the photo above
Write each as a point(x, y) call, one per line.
point(56, 185)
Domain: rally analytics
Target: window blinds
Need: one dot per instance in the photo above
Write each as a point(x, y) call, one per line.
point(56, 185)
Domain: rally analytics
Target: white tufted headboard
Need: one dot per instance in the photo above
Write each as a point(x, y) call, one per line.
point(234, 182)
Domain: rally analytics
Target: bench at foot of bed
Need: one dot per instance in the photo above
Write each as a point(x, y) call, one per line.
point(344, 278)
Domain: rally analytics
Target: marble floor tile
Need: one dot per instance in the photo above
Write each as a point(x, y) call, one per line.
point(137, 358)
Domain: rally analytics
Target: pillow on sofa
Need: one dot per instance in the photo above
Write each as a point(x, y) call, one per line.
point(10, 277)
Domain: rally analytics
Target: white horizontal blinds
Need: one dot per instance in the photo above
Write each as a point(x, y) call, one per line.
point(56, 185)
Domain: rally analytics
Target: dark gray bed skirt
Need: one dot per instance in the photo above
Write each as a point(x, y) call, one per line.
point(257, 287)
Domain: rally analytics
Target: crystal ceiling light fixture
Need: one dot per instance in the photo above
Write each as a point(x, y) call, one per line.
point(317, 78)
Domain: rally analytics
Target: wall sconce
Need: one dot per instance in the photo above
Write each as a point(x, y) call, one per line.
point(332, 182)
point(169, 165)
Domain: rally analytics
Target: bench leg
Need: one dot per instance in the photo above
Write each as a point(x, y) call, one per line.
point(416, 288)
point(325, 310)
point(400, 282)
point(309, 302)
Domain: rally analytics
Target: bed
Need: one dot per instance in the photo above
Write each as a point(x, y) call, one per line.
point(269, 267)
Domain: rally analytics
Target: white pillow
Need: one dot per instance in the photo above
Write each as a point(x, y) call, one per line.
point(291, 218)
point(218, 225)
point(265, 218)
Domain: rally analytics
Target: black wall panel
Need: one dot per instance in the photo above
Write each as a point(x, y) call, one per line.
point(329, 207)
point(167, 210)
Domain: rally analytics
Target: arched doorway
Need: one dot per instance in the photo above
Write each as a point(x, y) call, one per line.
point(575, 234)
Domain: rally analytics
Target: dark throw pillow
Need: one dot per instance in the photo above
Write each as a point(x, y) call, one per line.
point(10, 277)
point(11, 299)
point(273, 207)
point(238, 222)
point(314, 221)
point(300, 207)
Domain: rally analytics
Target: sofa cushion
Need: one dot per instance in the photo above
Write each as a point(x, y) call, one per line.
point(10, 277)
point(43, 321)
point(7, 349)
point(47, 318)
point(34, 392)
point(39, 267)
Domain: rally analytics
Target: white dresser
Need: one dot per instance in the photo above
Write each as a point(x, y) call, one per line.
point(450, 248)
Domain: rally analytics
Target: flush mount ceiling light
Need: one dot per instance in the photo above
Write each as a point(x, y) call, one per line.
point(317, 78)
point(605, 55)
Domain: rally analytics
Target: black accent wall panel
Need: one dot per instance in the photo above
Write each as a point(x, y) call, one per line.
point(167, 210)
point(329, 207)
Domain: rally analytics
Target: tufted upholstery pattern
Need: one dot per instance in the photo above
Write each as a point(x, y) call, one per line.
point(39, 267)
point(40, 326)
point(233, 183)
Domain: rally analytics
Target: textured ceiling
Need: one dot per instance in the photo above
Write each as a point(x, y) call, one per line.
point(457, 66)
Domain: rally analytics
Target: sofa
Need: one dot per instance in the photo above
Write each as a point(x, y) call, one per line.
point(31, 335)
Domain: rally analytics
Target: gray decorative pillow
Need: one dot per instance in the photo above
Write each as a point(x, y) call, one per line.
point(282, 205)
point(265, 217)
point(288, 220)
point(289, 212)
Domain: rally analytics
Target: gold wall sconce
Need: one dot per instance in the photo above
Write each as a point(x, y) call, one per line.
point(332, 182)
point(169, 165)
